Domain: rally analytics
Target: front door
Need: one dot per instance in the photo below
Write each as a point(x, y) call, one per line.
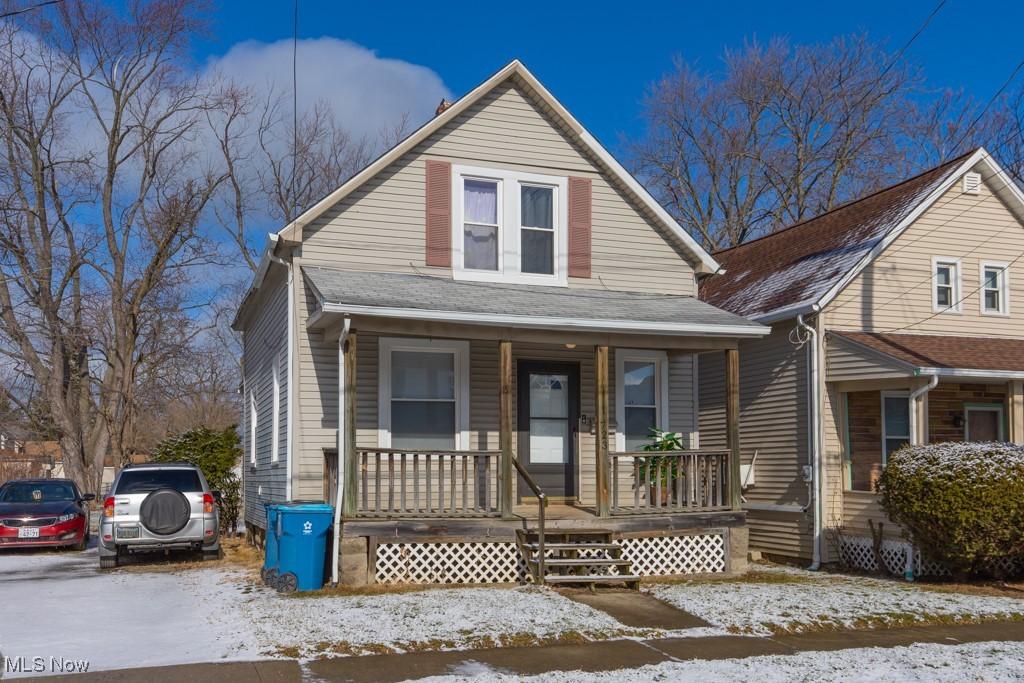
point(549, 410)
point(984, 423)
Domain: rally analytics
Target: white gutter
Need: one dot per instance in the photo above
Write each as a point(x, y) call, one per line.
point(964, 372)
point(289, 440)
point(339, 496)
point(814, 455)
point(802, 308)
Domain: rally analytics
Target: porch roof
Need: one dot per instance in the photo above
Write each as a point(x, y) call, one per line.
point(926, 354)
point(427, 297)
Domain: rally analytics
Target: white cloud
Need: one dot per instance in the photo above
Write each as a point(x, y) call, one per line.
point(367, 92)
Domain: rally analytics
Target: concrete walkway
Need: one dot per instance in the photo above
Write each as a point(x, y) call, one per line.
point(597, 656)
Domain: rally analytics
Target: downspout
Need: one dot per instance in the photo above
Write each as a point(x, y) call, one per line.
point(339, 494)
point(908, 568)
point(291, 380)
point(814, 419)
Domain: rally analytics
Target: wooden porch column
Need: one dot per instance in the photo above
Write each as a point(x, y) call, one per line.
point(732, 422)
point(350, 454)
point(1015, 396)
point(505, 425)
point(601, 429)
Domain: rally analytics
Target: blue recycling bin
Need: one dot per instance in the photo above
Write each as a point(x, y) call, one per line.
point(270, 544)
point(302, 545)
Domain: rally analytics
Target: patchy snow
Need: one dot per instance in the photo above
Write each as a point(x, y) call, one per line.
point(797, 600)
point(991, 661)
point(60, 605)
point(959, 460)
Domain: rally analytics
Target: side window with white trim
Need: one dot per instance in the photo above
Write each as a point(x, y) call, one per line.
point(995, 290)
point(275, 416)
point(252, 427)
point(641, 396)
point(946, 291)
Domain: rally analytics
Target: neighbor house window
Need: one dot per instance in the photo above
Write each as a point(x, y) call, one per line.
point(895, 422)
point(275, 417)
point(252, 427)
point(984, 422)
point(424, 394)
point(994, 288)
point(946, 296)
point(641, 391)
point(510, 226)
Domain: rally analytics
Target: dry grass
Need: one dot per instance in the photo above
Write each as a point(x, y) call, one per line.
point(749, 577)
point(236, 554)
point(389, 589)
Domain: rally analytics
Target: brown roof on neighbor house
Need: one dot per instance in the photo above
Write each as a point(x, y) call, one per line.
point(935, 351)
point(799, 264)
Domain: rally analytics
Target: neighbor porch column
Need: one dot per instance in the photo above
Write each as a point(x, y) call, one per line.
point(350, 454)
point(601, 429)
point(505, 425)
point(732, 422)
point(1015, 401)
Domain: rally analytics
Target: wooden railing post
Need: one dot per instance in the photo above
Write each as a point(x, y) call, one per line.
point(732, 422)
point(505, 426)
point(601, 429)
point(351, 455)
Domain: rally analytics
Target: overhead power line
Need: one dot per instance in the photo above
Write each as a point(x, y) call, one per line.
point(30, 8)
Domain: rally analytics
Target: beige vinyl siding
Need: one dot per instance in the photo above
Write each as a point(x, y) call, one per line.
point(847, 362)
point(895, 291)
point(773, 421)
point(380, 226)
point(265, 339)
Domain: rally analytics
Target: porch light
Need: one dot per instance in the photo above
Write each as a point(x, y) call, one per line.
point(570, 346)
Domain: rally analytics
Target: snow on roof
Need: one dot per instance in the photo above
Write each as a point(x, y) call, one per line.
point(801, 263)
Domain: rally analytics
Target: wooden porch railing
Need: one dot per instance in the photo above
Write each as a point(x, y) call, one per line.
point(420, 483)
point(670, 481)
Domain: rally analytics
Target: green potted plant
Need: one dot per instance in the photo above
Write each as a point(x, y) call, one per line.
point(657, 467)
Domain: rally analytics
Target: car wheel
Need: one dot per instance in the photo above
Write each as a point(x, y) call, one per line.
point(108, 562)
point(81, 545)
point(287, 583)
point(210, 555)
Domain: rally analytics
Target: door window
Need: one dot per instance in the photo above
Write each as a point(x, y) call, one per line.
point(549, 419)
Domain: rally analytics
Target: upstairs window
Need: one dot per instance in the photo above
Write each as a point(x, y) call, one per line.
point(509, 226)
point(994, 289)
point(946, 293)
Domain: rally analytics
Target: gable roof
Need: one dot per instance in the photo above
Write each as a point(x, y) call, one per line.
point(932, 354)
point(802, 267)
point(515, 69)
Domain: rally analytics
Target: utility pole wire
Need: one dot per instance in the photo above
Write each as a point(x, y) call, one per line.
point(30, 8)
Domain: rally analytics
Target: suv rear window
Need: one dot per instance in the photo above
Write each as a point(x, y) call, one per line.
point(144, 481)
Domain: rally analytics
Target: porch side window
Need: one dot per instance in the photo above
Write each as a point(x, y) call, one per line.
point(641, 396)
point(423, 390)
point(895, 423)
point(947, 285)
point(481, 231)
point(994, 292)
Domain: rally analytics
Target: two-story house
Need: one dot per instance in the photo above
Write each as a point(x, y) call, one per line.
point(486, 323)
point(897, 318)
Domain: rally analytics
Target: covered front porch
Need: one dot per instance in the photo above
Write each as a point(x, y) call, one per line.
point(476, 433)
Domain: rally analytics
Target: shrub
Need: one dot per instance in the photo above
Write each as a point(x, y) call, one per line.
point(962, 503)
point(216, 454)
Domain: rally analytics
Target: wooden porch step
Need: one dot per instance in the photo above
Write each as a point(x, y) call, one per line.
point(592, 578)
point(581, 562)
point(534, 546)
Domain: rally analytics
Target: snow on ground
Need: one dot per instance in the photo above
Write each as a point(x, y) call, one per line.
point(992, 661)
point(796, 600)
point(59, 604)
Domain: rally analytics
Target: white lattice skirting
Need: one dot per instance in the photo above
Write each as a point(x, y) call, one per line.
point(500, 562)
point(857, 552)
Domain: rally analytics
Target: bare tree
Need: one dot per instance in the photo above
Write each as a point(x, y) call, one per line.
point(785, 133)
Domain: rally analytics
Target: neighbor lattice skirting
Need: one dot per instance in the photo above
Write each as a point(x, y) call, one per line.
point(500, 562)
point(857, 553)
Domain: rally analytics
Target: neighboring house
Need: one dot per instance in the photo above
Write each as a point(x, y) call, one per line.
point(494, 294)
point(896, 318)
point(12, 440)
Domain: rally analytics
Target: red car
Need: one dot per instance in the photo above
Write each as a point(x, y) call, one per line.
point(43, 512)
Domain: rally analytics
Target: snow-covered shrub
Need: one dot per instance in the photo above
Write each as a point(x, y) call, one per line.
point(962, 503)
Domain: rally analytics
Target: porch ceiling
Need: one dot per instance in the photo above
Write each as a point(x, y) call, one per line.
point(944, 355)
point(429, 298)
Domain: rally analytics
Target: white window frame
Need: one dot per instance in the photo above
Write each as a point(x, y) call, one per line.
point(885, 436)
point(991, 408)
point(510, 226)
point(275, 417)
point(253, 417)
point(956, 284)
point(660, 359)
point(1003, 287)
point(460, 350)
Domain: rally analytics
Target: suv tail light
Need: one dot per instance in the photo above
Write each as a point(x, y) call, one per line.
point(208, 503)
point(108, 507)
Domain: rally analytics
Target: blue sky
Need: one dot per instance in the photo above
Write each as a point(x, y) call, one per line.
point(598, 57)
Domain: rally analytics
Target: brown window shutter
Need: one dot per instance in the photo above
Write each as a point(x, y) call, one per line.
point(439, 213)
point(579, 227)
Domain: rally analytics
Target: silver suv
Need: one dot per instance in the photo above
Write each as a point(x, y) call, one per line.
point(159, 507)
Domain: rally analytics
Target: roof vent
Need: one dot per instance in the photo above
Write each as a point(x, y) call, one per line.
point(972, 183)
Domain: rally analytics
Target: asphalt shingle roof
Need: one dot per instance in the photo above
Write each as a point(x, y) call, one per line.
point(935, 351)
point(429, 293)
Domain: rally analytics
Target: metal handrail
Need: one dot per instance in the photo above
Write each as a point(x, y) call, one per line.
point(542, 502)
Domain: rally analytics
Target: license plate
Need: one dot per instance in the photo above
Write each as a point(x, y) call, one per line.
point(127, 532)
point(28, 532)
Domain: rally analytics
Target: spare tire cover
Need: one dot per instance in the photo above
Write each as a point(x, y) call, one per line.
point(165, 511)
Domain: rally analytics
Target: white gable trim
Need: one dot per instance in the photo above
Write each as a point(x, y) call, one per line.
point(980, 156)
point(293, 231)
